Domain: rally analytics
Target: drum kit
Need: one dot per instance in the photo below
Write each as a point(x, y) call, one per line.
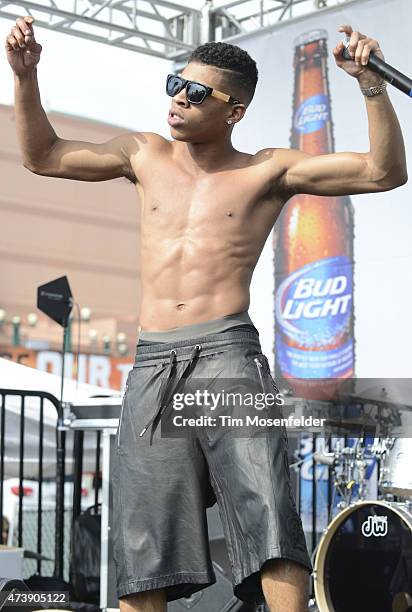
point(363, 561)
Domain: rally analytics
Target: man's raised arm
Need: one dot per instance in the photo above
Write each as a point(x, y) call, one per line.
point(382, 168)
point(43, 152)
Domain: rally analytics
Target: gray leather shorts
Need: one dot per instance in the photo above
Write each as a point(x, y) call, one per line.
point(163, 485)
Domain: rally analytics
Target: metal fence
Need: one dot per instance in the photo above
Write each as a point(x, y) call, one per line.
point(43, 527)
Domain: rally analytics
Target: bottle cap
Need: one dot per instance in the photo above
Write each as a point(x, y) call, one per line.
point(309, 37)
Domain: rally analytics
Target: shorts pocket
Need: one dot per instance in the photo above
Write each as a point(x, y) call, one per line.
point(258, 361)
point(269, 374)
point(266, 381)
point(121, 412)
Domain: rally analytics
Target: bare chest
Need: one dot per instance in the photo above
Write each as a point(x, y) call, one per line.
point(173, 201)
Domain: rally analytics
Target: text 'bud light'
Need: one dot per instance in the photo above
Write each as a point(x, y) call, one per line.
point(312, 114)
point(313, 312)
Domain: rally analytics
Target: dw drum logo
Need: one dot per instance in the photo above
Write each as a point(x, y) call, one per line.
point(375, 526)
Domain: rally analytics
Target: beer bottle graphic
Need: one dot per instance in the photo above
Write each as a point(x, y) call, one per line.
point(313, 245)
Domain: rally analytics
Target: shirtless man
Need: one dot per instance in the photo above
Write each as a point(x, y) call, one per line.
point(207, 210)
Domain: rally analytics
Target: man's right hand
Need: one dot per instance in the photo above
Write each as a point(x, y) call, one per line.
point(23, 52)
point(43, 151)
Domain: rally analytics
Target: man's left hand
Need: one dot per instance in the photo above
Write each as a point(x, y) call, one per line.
point(360, 47)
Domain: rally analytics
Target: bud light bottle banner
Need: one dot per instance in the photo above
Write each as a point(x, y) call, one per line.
point(313, 245)
point(313, 308)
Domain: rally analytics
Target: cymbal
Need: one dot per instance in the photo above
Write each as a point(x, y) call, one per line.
point(395, 391)
point(359, 421)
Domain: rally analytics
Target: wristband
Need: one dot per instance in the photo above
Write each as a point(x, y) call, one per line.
point(374, 91)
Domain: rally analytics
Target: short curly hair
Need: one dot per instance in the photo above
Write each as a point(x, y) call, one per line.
point(242, 75)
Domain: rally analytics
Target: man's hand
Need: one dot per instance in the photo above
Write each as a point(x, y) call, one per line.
point(23, 52)
point(360, 47)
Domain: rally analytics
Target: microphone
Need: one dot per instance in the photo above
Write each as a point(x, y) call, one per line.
point(386, 71)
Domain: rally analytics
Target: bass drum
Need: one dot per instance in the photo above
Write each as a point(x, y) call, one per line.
point(364, 560)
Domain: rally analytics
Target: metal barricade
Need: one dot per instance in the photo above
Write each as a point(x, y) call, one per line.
point(61, 478)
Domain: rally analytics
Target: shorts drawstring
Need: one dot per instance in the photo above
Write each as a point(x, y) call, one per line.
point(163, 399)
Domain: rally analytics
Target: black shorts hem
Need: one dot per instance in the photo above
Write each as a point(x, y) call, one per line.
point(247, 583)
point(177, 585)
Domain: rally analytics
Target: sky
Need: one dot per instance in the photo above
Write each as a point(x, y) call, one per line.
point(95, 80)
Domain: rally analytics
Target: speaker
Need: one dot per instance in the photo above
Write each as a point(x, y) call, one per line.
point(216, 598)
point(217, 542)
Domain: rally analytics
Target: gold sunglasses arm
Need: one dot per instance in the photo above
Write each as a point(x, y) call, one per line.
point(223, 96)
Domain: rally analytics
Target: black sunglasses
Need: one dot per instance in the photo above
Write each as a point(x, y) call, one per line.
point(195, 92)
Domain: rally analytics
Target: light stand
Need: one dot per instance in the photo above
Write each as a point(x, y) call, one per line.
point(55, 300)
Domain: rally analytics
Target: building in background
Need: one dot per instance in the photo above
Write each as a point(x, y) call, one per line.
point(53, 227)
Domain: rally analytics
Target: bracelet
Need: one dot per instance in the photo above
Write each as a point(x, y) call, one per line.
point(374, 91)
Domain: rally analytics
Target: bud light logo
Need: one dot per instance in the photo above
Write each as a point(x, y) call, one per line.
point(313, 304)
point(312, 114)
point(313, 308)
